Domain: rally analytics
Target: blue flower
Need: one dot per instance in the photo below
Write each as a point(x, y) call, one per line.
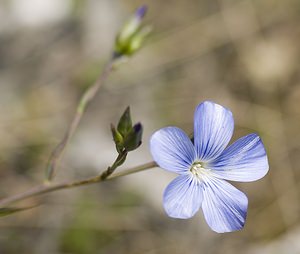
point(204, 165)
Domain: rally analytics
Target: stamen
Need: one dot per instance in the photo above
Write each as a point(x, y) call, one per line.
point(198, 170)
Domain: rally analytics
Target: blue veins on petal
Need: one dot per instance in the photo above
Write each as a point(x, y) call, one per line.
point(172, 149)
point(183, 197)
point(204, 166)
point(245, 160)
point(213, 129)
point(224, 207)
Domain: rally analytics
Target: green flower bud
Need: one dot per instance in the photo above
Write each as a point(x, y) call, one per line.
point(132, 35)
point(134, 138)
point(138, 39)
point(131, 27)
point(125, 123)
point(118, 138)
point(127, 137)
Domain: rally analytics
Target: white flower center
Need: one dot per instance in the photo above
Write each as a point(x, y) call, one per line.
point(199, 171)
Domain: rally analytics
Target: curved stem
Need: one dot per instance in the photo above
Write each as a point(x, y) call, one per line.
point(42, 189)
point(83, 103)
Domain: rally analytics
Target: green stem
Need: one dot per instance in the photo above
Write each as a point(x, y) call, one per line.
point(83, 103)
point(118, 162)
point(42, 189)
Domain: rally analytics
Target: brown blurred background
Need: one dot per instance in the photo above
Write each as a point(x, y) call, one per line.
point(241, 54)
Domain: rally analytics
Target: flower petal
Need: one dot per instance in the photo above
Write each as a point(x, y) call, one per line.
point(172, 149)
point(245, 160)
point(213, 129)
point(183, 197)
point(224, 206)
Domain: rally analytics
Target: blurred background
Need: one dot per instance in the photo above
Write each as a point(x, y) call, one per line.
point(241, 54)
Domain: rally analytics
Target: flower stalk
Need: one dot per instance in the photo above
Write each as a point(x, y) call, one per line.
point(51, 187)
point(118, 162)
point(86, 98)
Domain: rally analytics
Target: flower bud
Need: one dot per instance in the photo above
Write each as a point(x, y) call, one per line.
point(127, 137)
point(138, 40)
point(125, 123)
point(134, 138)
point(131, 27)
point(118, 138)
point(132, 35)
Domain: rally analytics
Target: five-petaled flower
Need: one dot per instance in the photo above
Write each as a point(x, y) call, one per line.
point(204, 165)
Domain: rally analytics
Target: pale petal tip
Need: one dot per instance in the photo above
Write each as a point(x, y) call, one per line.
point(224, 207)
point(208, 103)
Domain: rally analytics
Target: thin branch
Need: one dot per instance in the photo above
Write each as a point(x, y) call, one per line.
point(133, 170)
point(42, 189)
point(83, 103)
